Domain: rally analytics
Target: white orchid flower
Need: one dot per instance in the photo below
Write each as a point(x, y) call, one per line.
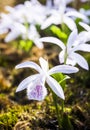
point(59, 16)
point(35, 13)
point(30, 34)
point(35, 84)
point(68, 55)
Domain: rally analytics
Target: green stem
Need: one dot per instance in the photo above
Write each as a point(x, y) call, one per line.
point(57, 109)
point(63, 27)
point(62, 108)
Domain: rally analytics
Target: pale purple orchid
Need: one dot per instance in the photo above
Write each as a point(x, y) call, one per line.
point(76, 42)
point(35, 84)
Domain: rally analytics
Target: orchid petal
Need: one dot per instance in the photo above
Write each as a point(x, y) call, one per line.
point(29, 64)
point(38, 43)
point(26, 81)
point(44, 64)
point(80, 60)
point(10, 9)
point(76, 14)
point(3, 30)
point(53, 40)
point(51, 20)
point(67, 69)
point(54, 85)
point(72, 38)
point(85, 26)
point(70, 23)
point(61, 56)
point(82, 47)
point(81, 38)
point(70, 60)
point(12, 35)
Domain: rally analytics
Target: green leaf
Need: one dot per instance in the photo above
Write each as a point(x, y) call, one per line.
point(61, 79)
point(57, 31)
point(25, 45)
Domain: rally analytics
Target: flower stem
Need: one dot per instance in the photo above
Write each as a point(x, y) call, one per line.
point(57, 109)
point(62, 107)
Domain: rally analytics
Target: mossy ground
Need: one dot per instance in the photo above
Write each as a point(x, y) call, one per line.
point(18, 113)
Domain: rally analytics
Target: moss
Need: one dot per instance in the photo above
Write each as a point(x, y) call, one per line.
point(4, 102)
point(8, 119)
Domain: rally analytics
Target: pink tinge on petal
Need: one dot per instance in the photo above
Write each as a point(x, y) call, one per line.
point(37, 93)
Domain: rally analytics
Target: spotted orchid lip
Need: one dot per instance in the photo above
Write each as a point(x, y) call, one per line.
point(37, 93)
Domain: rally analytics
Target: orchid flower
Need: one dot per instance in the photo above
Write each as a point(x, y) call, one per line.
point(18, 14)
point(59, 16)
point(30, 34)
point(35, 84)
point(14, 23)
point(76, 42)
point(35, 12)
